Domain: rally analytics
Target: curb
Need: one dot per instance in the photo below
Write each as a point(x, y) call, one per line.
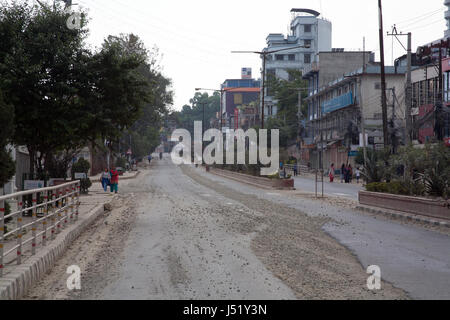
point(241, 181)
point(129, 178)
point(409, 217)
point(16, 284)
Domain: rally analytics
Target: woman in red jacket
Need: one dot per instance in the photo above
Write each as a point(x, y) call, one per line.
point(114, 180)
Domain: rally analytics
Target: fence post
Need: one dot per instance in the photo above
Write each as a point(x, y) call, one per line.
point(33, 226)
point(2, 232)
point(77, 212)
point(44, 222)
point(72, 204)
point(54, 208)
point(19, 230)
point(59, 208)
point(66, 206)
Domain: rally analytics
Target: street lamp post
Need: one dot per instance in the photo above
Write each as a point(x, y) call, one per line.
point(264, 55)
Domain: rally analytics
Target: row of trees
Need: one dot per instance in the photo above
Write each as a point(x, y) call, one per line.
point(61, 95)
point(194, 111)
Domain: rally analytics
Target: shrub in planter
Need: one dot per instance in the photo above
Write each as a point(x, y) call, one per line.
point(85, 185)
point(7, 211)
point(121, 162)
point(82, 166)
point(377, 187)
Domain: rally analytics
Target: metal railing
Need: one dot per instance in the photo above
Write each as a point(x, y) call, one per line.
point(51, 209)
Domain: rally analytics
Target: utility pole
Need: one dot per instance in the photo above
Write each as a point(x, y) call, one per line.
point(409, 94)
point(383, 78)
point(363, 125)
point(203, 127)
point(263, 106)
point(408, 89)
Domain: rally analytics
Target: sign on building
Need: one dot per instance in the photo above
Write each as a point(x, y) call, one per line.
point(246, 73)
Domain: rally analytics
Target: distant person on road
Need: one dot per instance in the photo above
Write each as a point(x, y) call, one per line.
point(350, 173)
point(105, 179)
point(332, 173)
point(295, 169)
point(342, 173)
point(160, 156)
point(358, 175)
point(114, 180)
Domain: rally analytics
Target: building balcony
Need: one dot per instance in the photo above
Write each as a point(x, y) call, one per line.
point(310, 68)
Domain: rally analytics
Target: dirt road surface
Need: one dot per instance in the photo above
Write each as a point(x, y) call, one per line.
point(175, 234)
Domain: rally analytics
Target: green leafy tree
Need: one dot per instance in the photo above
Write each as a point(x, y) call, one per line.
point(194, 112)
point(65, 96)
point(40, 71)
point(7, 165)
point(287, 120)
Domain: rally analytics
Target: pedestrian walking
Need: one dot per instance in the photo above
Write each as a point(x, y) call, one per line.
point(295, 170)
point(105, 179)
point(347, 174)
point(342, 173)
point(358, 175)
point(332, 172)
point(350, 173)
point(114, 180)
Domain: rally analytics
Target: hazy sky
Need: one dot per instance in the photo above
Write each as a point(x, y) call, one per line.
point(196, 37)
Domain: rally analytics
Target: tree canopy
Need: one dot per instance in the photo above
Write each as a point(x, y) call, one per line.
point(286, 92)
point(64, 95)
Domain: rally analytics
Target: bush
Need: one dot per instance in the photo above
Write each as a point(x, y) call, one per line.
point(85, 184)
point(394, 187)
point(377, 187)
point(82, 166)
point(121, 162)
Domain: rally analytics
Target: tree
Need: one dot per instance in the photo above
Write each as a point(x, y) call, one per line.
point(144, 132)
point(41, 70)
point(64, 95)
point(287, 120)
point(194, 112)
point(7, 165)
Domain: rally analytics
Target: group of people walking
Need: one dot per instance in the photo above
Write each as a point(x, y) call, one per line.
point(346, 173)
point(110, 178)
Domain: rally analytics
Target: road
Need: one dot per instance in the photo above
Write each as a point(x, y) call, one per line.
point(333, 189)
point(180, 233)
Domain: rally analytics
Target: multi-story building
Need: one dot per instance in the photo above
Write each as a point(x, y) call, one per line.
point(338, 109)
point(238, 93)
point(307, 29)
point(426, 98)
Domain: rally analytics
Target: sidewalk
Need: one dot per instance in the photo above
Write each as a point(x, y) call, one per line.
point(17, 279)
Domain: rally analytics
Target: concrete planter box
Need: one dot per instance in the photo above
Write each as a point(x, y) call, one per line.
point(415, 205)
point(262, 182)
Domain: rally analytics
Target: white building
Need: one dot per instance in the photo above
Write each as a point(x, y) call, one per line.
point(447, 17)
point(307, 29)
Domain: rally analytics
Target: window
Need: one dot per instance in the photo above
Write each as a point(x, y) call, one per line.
point(307, 28)
point(238, 98)
point(307, 58)
point(307, 43)
point(291, 57)
point(378, 86)
point(279, 57)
